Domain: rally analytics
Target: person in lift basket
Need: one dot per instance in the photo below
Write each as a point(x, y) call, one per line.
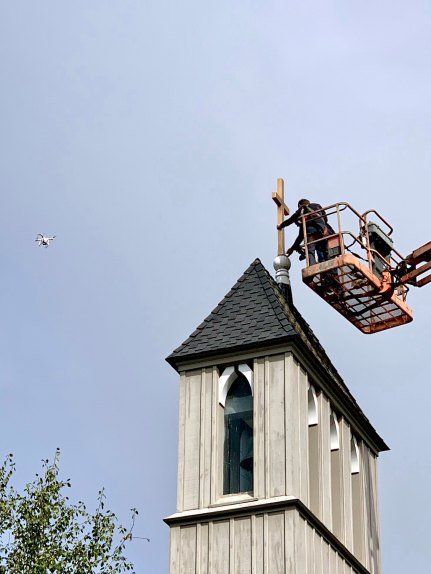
point(317, 227)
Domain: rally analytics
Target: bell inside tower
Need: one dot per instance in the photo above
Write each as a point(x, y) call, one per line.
point(238, 439)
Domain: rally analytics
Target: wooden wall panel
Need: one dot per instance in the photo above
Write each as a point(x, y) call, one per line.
point(368, 546)
point(192, 422)
point(374, 512)
point(174, 550)
point(325, 556)
point(292, 428)
point(358, 507)
point(333, 560)
point(310, 559)
point(219, 548)
point(320, 557)
point(188, 549)
point(242, 558)
point(291, 557)
point(300, 544)
point(275, 402)
point(371, 527)
point(181, 442)
point(315, 470)
point(259, 429)
point(347, 485)
point(258, 544)
point(273, 543)
point(217, 433)
point(303, 434)
point(337, 494)
point(275, 535)
point(203, 541)
point(205, 439)
point(318, 561)
point(325, 461)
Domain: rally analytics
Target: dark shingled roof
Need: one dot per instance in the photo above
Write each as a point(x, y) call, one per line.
point(250, 313)
point(254, 313)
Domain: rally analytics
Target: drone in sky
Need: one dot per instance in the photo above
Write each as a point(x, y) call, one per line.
point(42, 240)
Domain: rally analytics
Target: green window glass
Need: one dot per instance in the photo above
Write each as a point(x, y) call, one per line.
point(238, 438)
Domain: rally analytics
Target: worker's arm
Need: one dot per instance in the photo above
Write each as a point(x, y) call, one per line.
point(292, 219)
point(297, 243)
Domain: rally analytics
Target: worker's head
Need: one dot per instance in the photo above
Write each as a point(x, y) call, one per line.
point(303, 202)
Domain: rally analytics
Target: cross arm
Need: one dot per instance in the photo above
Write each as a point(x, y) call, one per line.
point(280, 203)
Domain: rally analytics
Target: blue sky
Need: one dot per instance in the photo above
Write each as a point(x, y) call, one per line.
point(148, 137)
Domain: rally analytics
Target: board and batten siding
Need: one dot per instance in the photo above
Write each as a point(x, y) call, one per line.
point(280, 542)
point(281, 468)
point(280, 433)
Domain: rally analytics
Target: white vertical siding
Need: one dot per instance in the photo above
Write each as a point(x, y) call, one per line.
point(217, 434)
point(192, 420)
point(259, 429)
point(205, 439)
point(374, 503)
point(347, 539)
point(280, 542)
point(266, 544)
point(258, 545)
point(371, 511)
point(220, 549)
point(302, 383)
point(174, 550)
point(188, 549)
point(358, 504)
point(292, 424)
point(276, 460)
point(181, 440)
point(310, 549)
point(276, 544)
point(242, 545)
point(203, 542)
point(325, 461)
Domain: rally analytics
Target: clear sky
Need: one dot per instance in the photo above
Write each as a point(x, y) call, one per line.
point(148, 136)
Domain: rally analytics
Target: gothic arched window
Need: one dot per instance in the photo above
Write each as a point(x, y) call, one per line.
point(238, 437)
point(354, 456)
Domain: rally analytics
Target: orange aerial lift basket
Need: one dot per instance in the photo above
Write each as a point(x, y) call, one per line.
point(356, 269)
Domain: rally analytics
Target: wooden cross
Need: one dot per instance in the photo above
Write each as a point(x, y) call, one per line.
point(282, 210)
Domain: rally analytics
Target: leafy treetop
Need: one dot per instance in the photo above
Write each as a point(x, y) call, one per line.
point(42, 532)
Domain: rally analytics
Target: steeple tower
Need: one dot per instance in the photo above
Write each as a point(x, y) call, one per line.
point(277, 469)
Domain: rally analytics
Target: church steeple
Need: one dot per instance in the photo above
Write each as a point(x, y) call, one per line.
point(277, 464)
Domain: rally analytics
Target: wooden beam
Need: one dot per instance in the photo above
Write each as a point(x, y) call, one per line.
point(282, 210)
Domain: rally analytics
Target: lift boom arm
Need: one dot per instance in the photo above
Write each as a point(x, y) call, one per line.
point(412, 267)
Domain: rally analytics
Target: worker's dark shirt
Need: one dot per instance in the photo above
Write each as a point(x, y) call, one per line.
point(314, 225)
